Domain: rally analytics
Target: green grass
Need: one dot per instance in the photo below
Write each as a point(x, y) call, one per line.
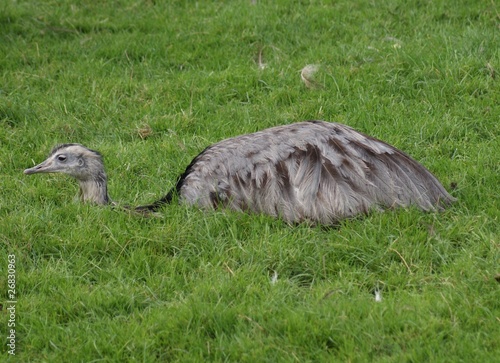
point(96, 284)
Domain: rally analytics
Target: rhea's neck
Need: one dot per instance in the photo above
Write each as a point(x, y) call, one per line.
point(95, 190)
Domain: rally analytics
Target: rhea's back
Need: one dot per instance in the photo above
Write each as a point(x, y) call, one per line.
point(312, 170)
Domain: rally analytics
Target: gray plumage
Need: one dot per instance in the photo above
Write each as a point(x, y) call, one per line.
point(311, 171)
point(83, 164)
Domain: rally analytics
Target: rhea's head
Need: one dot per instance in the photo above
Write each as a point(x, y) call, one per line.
point(81, 163)
point(72, 159)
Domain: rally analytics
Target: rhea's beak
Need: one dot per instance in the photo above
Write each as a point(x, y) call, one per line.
point(45, 167)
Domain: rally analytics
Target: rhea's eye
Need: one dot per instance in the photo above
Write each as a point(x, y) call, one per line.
point(61, 157)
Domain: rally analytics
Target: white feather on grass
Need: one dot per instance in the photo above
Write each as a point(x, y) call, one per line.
point(274, 278)
point(307, 75)
point(260, 61)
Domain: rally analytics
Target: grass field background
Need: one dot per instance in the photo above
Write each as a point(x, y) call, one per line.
point(150, 84)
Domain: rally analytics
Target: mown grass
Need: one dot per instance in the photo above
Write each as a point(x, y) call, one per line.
point(150, 84)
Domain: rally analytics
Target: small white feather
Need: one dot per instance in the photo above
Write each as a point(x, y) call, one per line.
point(274, 278)
point(307, 75)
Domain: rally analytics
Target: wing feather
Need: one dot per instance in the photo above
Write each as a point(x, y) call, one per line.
point(316, 171)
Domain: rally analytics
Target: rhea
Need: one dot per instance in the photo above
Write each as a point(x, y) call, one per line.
point(312, 171)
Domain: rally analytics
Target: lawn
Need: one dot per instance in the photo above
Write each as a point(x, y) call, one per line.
point(150, 84)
